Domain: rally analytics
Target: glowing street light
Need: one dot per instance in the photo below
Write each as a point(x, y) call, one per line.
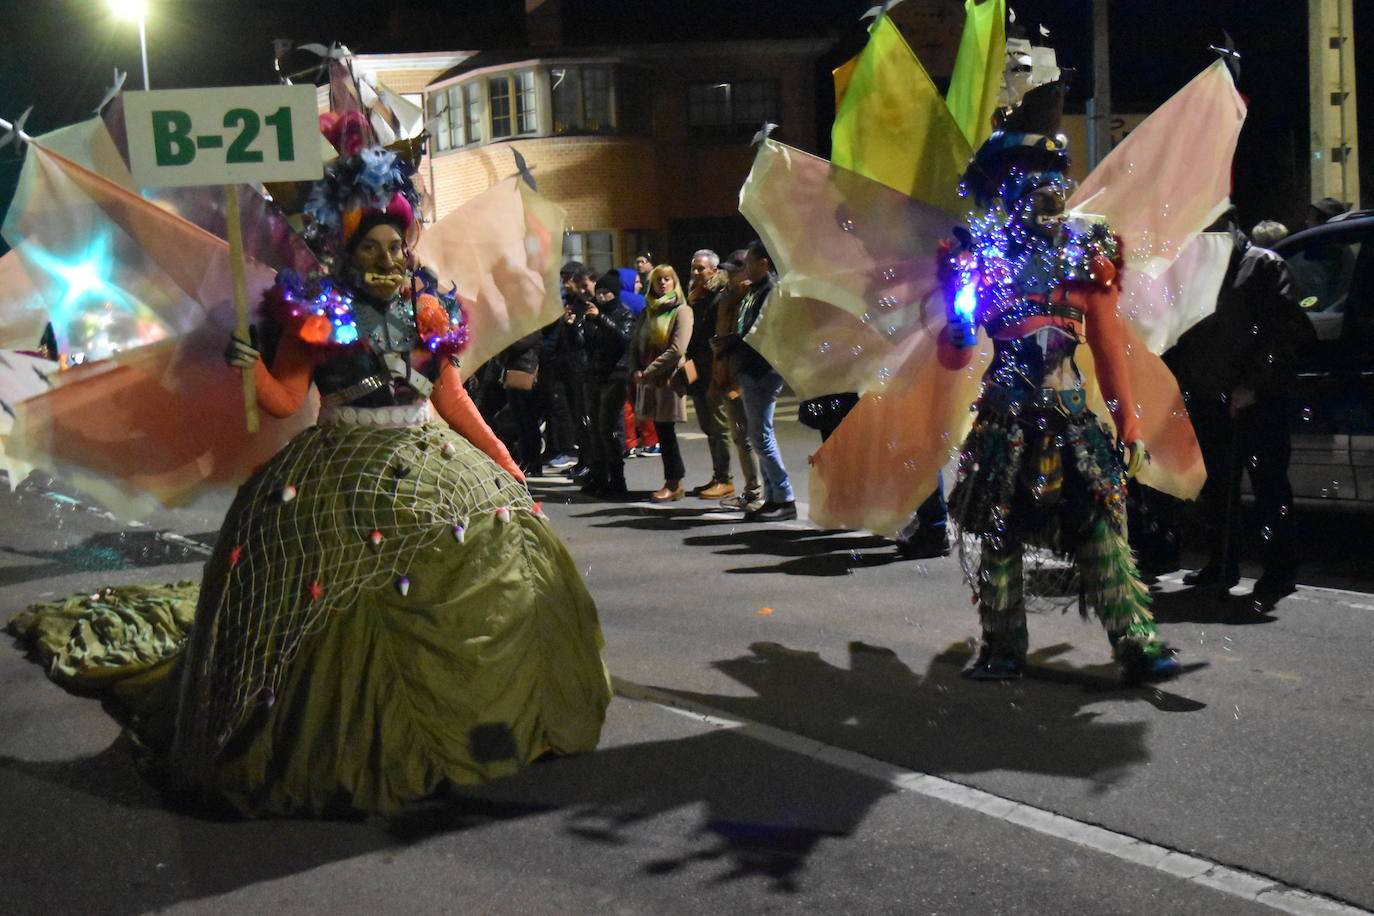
point(136, 9)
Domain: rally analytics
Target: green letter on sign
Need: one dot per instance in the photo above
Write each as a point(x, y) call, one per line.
point(172, 142)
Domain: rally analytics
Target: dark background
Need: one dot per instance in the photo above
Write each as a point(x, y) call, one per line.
point(59, 55)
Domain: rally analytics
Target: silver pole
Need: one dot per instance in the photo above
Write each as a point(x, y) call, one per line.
point(143, 47)
point(1101, 124)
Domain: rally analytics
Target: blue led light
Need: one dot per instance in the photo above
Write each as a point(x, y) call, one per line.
point(966, 302)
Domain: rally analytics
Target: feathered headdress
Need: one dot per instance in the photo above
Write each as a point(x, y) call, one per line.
point(365, 180)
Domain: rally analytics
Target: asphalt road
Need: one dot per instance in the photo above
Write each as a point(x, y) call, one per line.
point(790, 733)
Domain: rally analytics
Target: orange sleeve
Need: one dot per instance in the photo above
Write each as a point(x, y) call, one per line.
point(1107, 340)
point(451, 400)
point(282, 389)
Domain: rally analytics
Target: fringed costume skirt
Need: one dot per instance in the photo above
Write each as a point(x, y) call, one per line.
point(1040, 475)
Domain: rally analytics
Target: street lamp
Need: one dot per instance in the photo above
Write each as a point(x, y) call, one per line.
point(136, 9)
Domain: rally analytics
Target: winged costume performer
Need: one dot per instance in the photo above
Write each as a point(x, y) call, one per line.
point(868, 290)
point(385, 610)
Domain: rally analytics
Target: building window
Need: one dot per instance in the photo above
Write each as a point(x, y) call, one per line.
point(526, 115)
point(747, 103)
point(640, 241)
point(498, 90)
point(441, 113)
point(472, 107)
point(595, 250)
point(583, 100)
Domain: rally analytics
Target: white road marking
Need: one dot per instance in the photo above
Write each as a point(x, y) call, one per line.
point(1236, 882)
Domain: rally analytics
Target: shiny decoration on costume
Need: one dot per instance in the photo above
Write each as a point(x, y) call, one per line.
point(325, 314)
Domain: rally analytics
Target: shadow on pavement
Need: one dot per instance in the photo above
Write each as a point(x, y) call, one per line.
point(96, 839)
point(939, 722)
point(1206, 605)
point(764, 809)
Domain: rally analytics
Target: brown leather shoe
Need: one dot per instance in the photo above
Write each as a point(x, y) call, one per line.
point(666, 494)
point(717, 490)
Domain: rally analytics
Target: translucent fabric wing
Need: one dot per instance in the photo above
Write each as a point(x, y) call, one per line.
point(22, 376)
point(502, 251)
point(858, 307)
point(1171, 176)
point(160, 423)
point(1161, 308)
point(857, 294)
point(892, 125)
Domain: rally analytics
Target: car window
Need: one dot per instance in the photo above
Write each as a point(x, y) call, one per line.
point(1323, 272)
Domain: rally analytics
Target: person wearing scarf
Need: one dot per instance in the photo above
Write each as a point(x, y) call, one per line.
point(659, 350)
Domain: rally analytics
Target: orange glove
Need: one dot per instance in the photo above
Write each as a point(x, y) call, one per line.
point(451, 400)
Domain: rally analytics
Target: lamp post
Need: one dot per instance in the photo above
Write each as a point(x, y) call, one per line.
point(136, 9)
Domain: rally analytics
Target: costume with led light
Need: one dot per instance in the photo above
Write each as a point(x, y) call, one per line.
point(860, 305)
point(1039, 470)
point(386, 610)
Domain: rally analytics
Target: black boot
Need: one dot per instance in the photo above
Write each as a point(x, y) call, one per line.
point(615, 485)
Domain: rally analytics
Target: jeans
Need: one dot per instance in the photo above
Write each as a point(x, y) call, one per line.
point(760, 394)
point(930, 515)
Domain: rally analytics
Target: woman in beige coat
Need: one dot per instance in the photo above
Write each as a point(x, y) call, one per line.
point(659, 349)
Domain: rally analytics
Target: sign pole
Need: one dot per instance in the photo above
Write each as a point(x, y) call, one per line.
point(231, 209)
point(230, 137)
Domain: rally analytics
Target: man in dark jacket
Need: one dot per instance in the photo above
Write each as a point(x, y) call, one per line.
point(1235, 367)
point(603, 335)
point(760, 385)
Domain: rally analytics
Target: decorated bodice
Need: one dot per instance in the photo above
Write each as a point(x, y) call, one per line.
point(1027, 292)
point(369, 352)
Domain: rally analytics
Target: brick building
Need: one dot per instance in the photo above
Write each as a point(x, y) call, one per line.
point(645, 146)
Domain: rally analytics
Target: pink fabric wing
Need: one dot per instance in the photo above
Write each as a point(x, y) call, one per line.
point(502, 251)
point(1171, 176)
point(857, 296)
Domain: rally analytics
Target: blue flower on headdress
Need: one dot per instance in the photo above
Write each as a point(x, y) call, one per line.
point(378, 175)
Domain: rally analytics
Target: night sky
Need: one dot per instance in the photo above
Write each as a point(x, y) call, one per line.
point(59, 54)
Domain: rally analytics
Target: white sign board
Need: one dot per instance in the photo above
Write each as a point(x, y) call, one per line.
point(223, 136)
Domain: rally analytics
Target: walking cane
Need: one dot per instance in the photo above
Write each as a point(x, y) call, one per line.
point(1232, 500)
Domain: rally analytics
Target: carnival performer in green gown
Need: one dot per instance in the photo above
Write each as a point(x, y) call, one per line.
point(386, 610)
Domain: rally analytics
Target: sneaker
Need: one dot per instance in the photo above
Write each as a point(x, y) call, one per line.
point(565, 460)
point(734, 502)
point(632, 452)
point(925, 544)
point(772, 512)
point(649, 451)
